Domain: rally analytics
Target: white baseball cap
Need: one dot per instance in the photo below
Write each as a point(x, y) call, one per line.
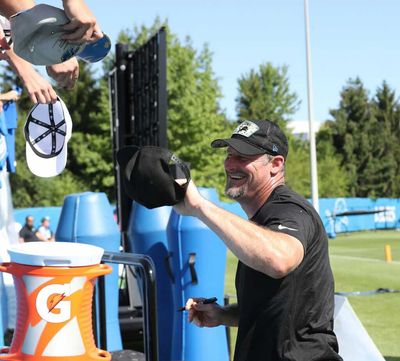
point(36, 34)
point(47, 131)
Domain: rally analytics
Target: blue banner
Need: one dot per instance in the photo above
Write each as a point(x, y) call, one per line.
point(359, 214)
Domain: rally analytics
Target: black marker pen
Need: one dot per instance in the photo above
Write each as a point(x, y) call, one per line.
point(205, 302)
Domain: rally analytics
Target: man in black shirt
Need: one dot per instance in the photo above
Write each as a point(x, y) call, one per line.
point(28, 233)
point(284, 282)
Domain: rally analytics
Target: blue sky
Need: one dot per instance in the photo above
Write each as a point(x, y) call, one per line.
point(348, 38)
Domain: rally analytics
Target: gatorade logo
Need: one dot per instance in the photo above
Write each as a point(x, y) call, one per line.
point(50, 303)
point(54, 321)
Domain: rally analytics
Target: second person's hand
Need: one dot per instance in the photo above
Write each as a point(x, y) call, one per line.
point(65, 74)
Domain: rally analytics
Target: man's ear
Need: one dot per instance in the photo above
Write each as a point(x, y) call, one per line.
point(277, 164)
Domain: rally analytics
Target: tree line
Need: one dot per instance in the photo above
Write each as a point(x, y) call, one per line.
point(357, 149)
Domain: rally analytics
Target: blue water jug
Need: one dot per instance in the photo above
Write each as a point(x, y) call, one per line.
point(199, 262)
point(147, 235)
point(88, 218)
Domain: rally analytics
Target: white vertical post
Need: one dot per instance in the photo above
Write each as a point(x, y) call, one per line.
point(313, 150)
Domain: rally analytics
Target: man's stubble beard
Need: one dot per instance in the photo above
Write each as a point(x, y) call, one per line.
point(234, 192)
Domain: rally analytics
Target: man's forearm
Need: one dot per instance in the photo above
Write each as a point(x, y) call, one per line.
point(11, 7)
point(18, 64)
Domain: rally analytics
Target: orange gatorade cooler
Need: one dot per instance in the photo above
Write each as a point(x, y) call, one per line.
point(54, 284)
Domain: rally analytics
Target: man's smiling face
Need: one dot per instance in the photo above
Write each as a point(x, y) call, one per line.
point(246, 175)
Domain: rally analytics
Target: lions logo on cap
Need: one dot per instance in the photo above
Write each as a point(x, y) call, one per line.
point(246, 128)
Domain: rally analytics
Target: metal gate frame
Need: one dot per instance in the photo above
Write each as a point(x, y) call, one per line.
point(145, 266)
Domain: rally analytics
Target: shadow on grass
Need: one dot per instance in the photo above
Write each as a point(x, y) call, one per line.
point(392, 358)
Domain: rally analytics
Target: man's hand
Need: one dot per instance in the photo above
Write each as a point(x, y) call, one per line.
point(39, 89)
point(209, 315)
point(65, 74)
point(83, 26)
point(190, 204)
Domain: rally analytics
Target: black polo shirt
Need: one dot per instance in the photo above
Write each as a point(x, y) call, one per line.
point(28, 234)
point(289, 318)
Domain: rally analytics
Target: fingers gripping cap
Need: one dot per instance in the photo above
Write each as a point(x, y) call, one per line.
point(37, 37)
point(150, 175)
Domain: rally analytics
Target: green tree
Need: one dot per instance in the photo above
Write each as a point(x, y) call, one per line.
point(194, 115)
point(353, 137)
point(333, 180)
point(385, 139)
point(266, 92)
point(297, 168)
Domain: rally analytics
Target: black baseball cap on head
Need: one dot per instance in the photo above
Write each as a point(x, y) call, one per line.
point(149, 175)
point(252, 137)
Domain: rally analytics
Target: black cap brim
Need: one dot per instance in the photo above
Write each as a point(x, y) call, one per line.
point(239, 145)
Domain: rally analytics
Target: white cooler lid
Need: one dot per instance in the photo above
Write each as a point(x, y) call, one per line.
point(56, 254)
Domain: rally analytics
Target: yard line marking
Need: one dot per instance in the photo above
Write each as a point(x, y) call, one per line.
point(362, 258)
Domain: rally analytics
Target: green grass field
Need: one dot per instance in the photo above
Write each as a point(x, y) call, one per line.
point(358, 263)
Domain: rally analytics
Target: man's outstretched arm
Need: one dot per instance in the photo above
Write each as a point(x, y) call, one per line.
point(275, 254)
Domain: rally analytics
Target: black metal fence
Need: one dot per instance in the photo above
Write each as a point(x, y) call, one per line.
point(138, 93)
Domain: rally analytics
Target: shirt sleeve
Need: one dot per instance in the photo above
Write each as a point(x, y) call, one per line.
point(293, 220)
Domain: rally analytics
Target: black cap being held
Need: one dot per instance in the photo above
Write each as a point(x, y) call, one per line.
point(253, 137)
point(150, 175)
